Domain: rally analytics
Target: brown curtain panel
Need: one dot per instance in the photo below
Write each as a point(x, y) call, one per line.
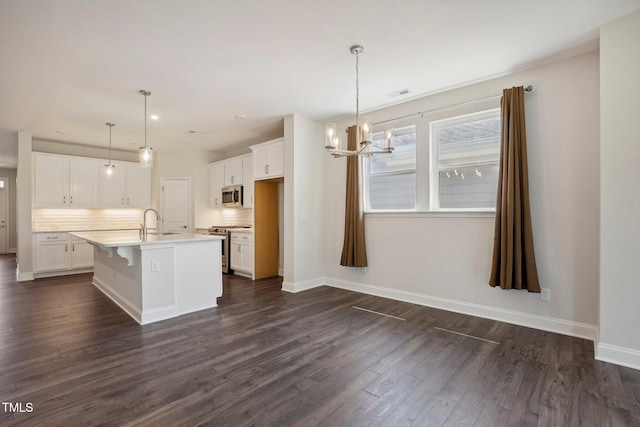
point(354, 252)
point(514, 262)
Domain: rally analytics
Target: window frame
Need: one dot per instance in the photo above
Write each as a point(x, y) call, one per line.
point(365, 174)
point(434, 167)
point(424, 180)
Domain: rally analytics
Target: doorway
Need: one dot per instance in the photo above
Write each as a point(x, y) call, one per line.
point(176, 205)
point(4, 215)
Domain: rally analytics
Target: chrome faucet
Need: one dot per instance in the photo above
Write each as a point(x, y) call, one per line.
point(143, 226)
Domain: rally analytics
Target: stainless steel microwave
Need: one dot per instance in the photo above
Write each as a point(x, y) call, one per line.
point(232, 196)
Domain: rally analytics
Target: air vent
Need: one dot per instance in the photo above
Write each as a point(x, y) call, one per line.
point(398, 93)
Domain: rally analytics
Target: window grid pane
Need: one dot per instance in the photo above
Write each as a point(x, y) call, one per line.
point(465, 168)
point(391, 177)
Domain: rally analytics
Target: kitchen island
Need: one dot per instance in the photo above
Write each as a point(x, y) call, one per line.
point(158, 277)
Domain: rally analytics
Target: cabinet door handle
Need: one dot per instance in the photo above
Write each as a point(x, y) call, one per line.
point(267, 169)
point(122, 201)
point(215, 203)
point(127, 201)
point(232, 179)
point(64, 199)
point(70, 199)
point(51, 238)
point(66, 248)
point(73, 247)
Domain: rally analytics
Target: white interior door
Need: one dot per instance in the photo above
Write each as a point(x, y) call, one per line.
point(176, 205)
point(4, 214)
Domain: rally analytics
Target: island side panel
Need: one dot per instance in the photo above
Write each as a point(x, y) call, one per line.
point(198, 275)
point(157, 263)
point(118, 281)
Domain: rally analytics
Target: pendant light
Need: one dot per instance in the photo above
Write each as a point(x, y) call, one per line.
point(108, 168)
point(146, 153)
point(364, 127)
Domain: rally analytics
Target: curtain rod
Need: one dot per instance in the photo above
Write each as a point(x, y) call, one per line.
point(528, 88)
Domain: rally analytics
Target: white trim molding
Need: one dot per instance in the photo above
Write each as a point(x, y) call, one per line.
point(551, 324)
point(303, 286)
point(618, 355)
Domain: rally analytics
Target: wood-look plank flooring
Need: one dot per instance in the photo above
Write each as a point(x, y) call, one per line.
point(270, 358)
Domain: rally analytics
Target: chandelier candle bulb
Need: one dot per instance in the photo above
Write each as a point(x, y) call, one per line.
point(330, 136)
point(388, 134)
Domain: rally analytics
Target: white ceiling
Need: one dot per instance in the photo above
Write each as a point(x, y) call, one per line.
point(72, 65)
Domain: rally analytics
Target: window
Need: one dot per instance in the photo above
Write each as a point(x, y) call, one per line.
point(464, 161)
point(390, 179)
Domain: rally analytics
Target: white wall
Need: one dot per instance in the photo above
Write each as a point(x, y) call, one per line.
point(444, 261)
point(23, 207)
point(620, 204)
point(304, 203)
point(186, 164)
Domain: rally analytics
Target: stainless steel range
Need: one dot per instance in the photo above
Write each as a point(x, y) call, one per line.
point(225, 231)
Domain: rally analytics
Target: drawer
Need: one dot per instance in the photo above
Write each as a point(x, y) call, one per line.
point(52, 237)
point(241, 237)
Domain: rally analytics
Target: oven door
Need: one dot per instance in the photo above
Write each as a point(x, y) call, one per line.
point(226, 266)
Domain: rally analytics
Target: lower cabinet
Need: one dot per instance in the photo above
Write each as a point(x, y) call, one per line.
point(60, 253)
point(241, 253)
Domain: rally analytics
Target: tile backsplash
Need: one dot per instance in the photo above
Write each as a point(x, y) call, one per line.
point(231, 216)
point(85, 219)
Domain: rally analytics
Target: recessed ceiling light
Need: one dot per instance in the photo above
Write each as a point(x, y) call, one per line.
point(241, 116)
point(192, 132)
point(61, 132)
point(154, 117)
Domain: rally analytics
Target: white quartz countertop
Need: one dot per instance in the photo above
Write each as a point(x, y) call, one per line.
point(132, 238)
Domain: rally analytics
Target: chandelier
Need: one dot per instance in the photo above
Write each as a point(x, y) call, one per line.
point(146, 153)
point(364, 127)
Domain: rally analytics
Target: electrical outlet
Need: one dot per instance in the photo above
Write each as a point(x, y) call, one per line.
point(545, 294)
point(155, 265)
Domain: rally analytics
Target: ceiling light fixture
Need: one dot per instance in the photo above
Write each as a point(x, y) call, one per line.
point(146, 153)
point(108, 168)
point(364, 127)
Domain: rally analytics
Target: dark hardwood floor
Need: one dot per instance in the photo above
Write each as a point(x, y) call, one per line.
point(267, 357)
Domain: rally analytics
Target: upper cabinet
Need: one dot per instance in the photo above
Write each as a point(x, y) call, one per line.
point(233, 171)
point(268, 159)
point(64, 181)
point(216, 182)
point(129, 187)
point(247, 178)
point(78, 182)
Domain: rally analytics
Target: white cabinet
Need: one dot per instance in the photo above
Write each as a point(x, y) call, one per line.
point(63, 181)
point(233, 171)
point(241, 253)
point(51, 252)
point(60, 252)
point(268, 159)
point(247, 179)
point(129, 187)
point(216, 182)
point(81, 253)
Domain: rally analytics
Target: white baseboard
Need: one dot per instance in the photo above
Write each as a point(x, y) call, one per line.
point(619, 355)
point(24, 277)
point(122, 302)
point(303, 286)
point(281, 272)
point(12, 251)
point(551, 324)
